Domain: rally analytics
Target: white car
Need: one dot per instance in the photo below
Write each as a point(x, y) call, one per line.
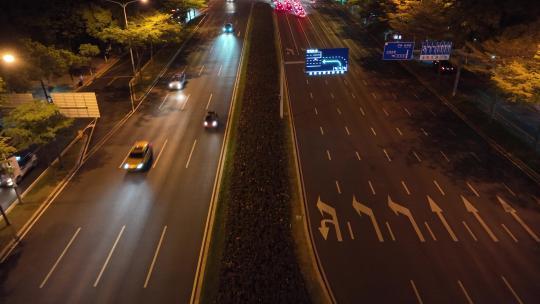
point(177, 81)
point(19, 166)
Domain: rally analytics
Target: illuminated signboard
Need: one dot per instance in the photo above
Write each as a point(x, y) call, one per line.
point(327, 61)
point(398, 51)
point(436, 50)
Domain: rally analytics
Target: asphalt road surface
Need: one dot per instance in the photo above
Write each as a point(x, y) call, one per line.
point(406, 204)
point(115, 237)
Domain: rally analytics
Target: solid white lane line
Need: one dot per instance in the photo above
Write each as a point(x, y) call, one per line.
point(201, 70)
point(322, 132)
point(470, 231)
point(445, 157)
point(190, 153)
point(353, 96)
point(151, 268)
point(347, 130)
point(185, 102)
point(338, 189)
point(373, 131)
point(350, 230)
point(408, 113)
point(60, 258)
point(475, 156)
point(358, 155)
point(362, 111)
point(385, 112)
point(310, 95)
point(109, 256)
point(472, 189)
point(387, 156)
point(162, 102)
point(430, 232)
point(406, 188)
point(417, 157)
point(399, 131)
point(328, 155)
point(371, 187)
point(438, 187)
point(374, 96)
point(316, 112)
point(339, 111)
point(509, 233)
point(209, 99)
point(390, 232)
point(509, 190)
point(424, 131)
point(332, 95)
point(469, 300)
point(518, 299)
point(416, 293)
point(219, 72)
point(160, 152)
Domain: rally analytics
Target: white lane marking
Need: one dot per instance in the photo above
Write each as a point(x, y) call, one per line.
point(307, 82)
point(470, 231)
point(430, 231)
point(417, 157)
point(345, 82)
point(438, 187)
point(219, 72)
point(373, 131)
point(358, 155)
point(201, 70)
point(390, 232)
point(371, 187)
point(326, 82)
point(316, 112)
point(310, 95)
point(408, 113)
point(472, 189)
point(445, 157)
point(509, 233)
point(469, 300)
point(151, 268)
point(416, 293)
point(432, 113)
point(332, 95)
point(424, 131)
point(374, 96)
point(399, 131)
point(190, 153)
point(385, 112)
point(475, 156)
point(164, 99)
point(109, 256)
point(322, 132)
point(124, 160)
point(353, 96)
point(350, 230)
point(362, 111)
point(339, 111)
point(509, 190)
point(365, 82)
point(452, 132)
point(160, 152)
point(185, 102)
point(112, 80)
point(338, 189)
point(387, 156)
point(518, 299)
point(405, 187)
point(60, 258)
point(209, 99)
point(328, 155)
point(347, 130)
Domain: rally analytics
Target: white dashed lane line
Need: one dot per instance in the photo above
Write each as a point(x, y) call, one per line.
point(407, 111)
point(417, 157)
point(399, 132)
point(328, 155)
point(347, 130)
point(472, 189)
point(424, 131)
point(322, 131)
point(385, 112)
point(406, 188)
point(362, 111)
point(387, 156)
point(438, 187)
point(373, 131)
point(371, 187)
point(358, 155)
point(445, 157)
point(316, 112)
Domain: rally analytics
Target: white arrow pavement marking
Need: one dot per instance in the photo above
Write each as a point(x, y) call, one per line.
point(507, 208)
point(470, 208)
point(361, 208)
point(400, 209)
point(436, 209)
point(324, 208)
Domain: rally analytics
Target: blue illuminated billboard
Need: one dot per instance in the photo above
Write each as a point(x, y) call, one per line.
point(327, 61)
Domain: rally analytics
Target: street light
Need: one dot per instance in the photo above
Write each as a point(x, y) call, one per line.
point(9, 59)
point(124, 5)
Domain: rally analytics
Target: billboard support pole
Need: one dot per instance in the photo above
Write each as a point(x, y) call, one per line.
point(281, 88)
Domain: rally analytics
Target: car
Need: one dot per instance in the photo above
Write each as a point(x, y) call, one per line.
point(443, 66)
point(279, 6)
point(16, 168)
point(211, 120)
point(139, 157)
point(178, 81)
point(228, 28)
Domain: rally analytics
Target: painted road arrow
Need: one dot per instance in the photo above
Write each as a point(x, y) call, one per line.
point(397, 208)
point(324, 208)
point(435, 208)
point(470, 208)
point(513, 212)
point(361, 208)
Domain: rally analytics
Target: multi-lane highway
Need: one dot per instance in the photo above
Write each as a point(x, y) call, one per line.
point(115, 237)
point(406, 204)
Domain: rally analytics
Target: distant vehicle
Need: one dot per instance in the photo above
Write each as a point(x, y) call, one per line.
point(228, 28)
point(139, 157)
point(444, 66)
point(288, 5)
point(178, 81)
point(211, 120)
point(279, 6)
point(230, 0)
point(19, 165)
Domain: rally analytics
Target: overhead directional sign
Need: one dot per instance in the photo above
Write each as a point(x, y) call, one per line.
point(327, 61)
point(398, 50)
point(436, 50)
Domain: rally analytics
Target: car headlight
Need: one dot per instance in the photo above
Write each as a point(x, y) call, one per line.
point(170, 85)
point(139, 166)
point(224, 29)
point(214, 123)
point(126, 166)
point(205, 123)
point(9, 182)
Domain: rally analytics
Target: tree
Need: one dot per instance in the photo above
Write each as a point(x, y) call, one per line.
point(3, 91)
point(88, 51)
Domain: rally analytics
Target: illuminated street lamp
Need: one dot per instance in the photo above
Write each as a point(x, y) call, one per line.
point(9, 59)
